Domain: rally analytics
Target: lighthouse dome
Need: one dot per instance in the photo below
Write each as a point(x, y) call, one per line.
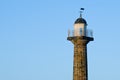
point(81, 20)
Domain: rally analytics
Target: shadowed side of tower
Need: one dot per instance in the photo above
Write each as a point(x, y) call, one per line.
point(80, 37)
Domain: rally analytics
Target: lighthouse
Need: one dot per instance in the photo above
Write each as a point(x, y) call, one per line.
point(80, 36)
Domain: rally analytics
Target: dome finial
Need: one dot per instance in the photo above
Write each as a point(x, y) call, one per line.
point(81, 11)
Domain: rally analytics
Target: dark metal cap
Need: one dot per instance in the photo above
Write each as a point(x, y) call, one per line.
point(81, 20)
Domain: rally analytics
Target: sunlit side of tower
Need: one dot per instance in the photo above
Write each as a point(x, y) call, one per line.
point(80, 37)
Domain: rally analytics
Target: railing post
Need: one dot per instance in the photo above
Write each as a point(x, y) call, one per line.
point(68, 32)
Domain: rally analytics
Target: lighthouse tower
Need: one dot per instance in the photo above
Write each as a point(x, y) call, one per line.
point(80, 37)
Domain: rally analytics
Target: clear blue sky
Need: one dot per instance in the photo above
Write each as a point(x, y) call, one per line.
point(33, 43)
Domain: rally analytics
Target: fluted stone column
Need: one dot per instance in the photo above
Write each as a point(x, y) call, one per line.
point(80, 71)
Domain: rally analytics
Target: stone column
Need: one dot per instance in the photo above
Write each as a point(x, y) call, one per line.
point(80, 59)
point(80, 71)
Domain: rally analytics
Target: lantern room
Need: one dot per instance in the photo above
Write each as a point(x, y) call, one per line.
point(80, 27)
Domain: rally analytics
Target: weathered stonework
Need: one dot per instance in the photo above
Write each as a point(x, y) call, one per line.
point(80, 57)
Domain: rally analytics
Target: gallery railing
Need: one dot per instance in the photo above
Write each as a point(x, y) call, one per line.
point(87, 33)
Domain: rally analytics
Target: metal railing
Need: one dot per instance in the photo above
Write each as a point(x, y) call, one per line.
point(87, 33)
